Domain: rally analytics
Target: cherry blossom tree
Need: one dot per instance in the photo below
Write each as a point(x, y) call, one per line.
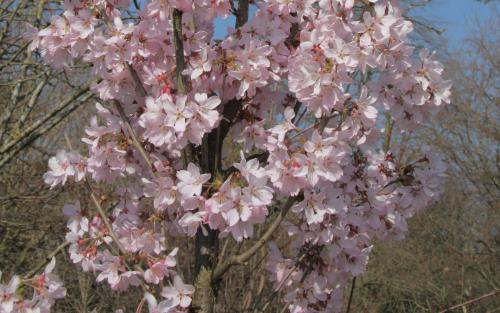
point(308, 93)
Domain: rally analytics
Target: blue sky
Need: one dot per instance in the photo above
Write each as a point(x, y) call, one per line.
point(221, 25)
point(454, 16)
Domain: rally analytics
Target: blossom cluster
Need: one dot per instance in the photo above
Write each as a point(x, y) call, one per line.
point(307, 81)
point(47, 287)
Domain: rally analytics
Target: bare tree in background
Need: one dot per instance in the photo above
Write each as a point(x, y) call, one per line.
point(35, 102)
point(35, 98)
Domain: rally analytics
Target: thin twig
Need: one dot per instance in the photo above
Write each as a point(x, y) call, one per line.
point(351, 295)
point(282, 283)
point(494, 292)
point(39, 129)
point(141, 304)
point(388, 132)
point(137, 80)
point(98, 206)
point(136, 5)
point(133, 136)
point(245, 256)
point(64, 104)
point(47, 259)
point(104, 217)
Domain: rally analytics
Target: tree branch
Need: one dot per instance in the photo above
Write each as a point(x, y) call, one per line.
point(351, 294)
point(242, 16)
point(388, 132)
point(104, 217)
point(132, 134)
point(64, 104)
point(137, 80)
point(245, 256)
point(179, 52)
point(494, 292)
point(40, 128)
point(47, 259)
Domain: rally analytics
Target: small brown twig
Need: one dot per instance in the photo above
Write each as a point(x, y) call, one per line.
point(388, 132)
point(349, 302)
point(133, 136)
point(245, 256)
point(137, 80)
point(47, 259)
point(282, 283)
point(141, 304)
point(179, 52)
point(494, 292)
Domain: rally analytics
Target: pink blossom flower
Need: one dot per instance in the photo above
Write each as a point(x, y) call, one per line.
point(162, 189)
point(64, 165)
point(190, 222)
point(160, 269)
point(206, 113)
point(287, 125)
point(177, 114)
point(191, 181)
point(179, 293)
point(8, 296)
point(154, 120)
point(164, 306)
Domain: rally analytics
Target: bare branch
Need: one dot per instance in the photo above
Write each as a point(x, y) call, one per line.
point(40, 128)
point(132, 134)
point(245, 256)
point(179, 51)
point(47, 259)
point(494, 292)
